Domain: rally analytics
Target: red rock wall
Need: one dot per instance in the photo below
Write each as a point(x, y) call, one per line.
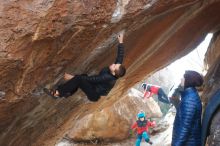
point(212, 59)
point(212, 84)
point(41, 39)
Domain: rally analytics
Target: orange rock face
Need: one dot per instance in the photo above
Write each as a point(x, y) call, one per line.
point(212, 63)
point(211, 87)
point(41, 39)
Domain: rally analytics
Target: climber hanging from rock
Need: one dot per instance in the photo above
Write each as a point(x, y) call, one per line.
point(149, 90)
point(141, 126)
point(93, 86)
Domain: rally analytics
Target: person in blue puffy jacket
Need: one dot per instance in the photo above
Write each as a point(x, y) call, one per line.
point(187, 123)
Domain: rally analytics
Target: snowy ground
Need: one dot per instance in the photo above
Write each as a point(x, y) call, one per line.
point(164, 138)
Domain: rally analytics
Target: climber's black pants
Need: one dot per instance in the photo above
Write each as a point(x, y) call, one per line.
point(162, 96)
point(165, 99)
point(71, 86)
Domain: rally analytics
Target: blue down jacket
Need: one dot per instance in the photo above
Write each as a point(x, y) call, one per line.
point(187, 124)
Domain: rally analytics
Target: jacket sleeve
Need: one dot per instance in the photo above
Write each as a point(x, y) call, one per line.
point(120, 54)
point(151, 94)
point(134, 126)
point(151, 124)
point(97, 78)
point(188, 109)
point(147, 94)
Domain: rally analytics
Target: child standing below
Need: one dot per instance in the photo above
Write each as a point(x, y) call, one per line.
point(142, 125)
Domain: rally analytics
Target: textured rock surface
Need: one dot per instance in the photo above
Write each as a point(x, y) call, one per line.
point(116, 118)
point(41, 39)
point(212, 84)
point(212, 63)
point(160, 135)
point(213, 139)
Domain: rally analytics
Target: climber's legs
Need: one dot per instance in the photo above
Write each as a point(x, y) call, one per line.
point(72, 85)
point(162, 96)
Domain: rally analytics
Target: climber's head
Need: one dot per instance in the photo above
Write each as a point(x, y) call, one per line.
point(117, 70)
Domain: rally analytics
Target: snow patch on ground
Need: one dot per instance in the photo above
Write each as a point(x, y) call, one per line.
point(64, 143)
point(164, 138)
